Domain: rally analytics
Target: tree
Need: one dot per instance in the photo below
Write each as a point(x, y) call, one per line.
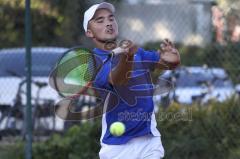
point(56, 22)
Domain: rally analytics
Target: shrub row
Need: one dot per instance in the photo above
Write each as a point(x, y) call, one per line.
point(191, 132)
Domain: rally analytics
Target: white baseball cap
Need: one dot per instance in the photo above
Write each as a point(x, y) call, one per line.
point(88, 15)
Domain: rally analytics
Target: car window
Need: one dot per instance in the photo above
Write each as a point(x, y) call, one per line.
point(198, 79)
point(11, 63)
point(223, 83)
point(42, 63)
point(189, 80)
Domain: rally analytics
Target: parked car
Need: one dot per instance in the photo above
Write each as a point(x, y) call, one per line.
point(12, 76)
point(199, 84)
point(12, 71)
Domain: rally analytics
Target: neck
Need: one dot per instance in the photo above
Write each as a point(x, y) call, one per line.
point(103, 44)
point(100, 45)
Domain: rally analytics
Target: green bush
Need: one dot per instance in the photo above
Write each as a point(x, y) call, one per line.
point(12, 150)
point(212, 132)
point(188, 132)
point(79, 142)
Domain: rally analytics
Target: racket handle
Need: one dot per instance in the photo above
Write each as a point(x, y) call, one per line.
point(119, 50)
point(123, 47)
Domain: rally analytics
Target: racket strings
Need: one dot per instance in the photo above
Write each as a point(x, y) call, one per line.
point(74, 72)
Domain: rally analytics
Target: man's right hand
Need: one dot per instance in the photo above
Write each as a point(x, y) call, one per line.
point(130, 48)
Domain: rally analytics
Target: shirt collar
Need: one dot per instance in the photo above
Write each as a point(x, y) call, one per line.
point(102, 53)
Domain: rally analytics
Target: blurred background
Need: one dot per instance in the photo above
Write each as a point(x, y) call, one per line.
point(199, 118)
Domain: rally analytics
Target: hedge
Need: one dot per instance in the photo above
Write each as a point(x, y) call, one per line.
point(191, 132)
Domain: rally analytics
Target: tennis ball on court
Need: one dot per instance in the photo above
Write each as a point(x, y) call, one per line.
point(117, 128)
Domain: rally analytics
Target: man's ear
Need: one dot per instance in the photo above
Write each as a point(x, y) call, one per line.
point(89, 33)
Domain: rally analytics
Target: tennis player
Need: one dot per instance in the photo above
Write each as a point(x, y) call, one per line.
point(141, 139)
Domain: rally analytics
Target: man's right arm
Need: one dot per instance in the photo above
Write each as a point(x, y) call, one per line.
point(119, 75)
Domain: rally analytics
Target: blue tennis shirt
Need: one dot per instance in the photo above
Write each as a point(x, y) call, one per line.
point(131, 104)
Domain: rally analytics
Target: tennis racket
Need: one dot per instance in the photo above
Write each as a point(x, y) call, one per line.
point(77, 68)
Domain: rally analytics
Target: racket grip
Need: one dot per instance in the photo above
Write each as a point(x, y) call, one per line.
point(119, 50)
point(123, 47)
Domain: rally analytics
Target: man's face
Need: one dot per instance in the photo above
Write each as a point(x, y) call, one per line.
point(103, 26)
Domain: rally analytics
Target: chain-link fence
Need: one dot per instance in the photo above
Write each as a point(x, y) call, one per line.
point(206, 86)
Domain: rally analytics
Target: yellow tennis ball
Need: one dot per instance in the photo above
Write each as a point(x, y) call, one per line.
point(117, 128)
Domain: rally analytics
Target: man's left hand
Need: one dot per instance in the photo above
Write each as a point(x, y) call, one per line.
point(169, 55)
